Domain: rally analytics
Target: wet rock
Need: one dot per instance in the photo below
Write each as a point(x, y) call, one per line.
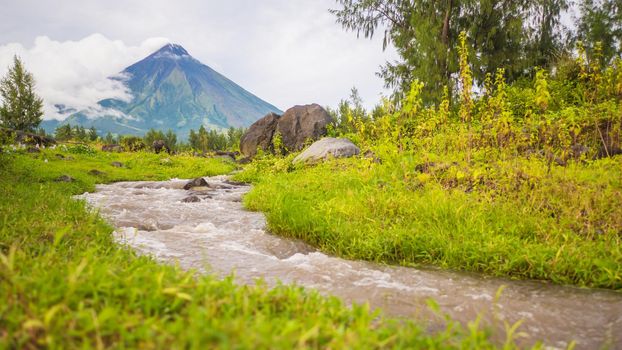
point(259, 135)
point(226, 153)
point(198, 182)
point(191, 199)
point(244, 160)
point(328, 147)
point(64, 178)
point(96, 172)
point(235, 183)
point(302, 123)
point(117, 164)
point(113, 148)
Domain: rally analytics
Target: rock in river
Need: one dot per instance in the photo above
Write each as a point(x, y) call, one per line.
point(198, 182)
point(191, 199)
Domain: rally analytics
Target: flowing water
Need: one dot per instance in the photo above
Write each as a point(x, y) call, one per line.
point(216, 235)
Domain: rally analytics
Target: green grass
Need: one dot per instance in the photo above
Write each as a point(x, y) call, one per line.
point(511, 217)
point(65, 284)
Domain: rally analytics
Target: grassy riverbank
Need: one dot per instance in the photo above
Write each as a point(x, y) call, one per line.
point(65, 284)
point(513, 217)
point(521, 180)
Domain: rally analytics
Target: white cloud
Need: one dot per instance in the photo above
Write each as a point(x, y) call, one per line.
point(285, 52)
point(75, 73)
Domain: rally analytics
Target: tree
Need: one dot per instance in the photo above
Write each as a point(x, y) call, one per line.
point(63, 132)
point(109, 139)
point(193, 140)
point(170, 140)
point(600, 23)
point(21, 108)
point(505, 33)
point(153, 135)
point(80, 133)
point(92, 134)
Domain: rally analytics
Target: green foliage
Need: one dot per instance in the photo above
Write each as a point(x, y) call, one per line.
point(63, 132)
point(133, 143)
point(600, 24)
point(350, 115)
point(516, 35)
point(109, 139)
point(520, 180)
point(65, 284)
point(214, 140)
point(66, 132)
point(80, 149)
point(505, 218)
point(92, 134)
point(277, 144)
point(21, 108)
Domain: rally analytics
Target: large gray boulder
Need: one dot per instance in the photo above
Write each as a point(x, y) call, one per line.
point(328, 147)
point(259, 135)
point(301, 123)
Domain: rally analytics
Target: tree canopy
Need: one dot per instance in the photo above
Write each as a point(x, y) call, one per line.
point(21, 108)
point(515, 34)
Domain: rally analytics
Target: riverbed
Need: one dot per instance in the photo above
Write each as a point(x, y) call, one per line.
point(216, 235)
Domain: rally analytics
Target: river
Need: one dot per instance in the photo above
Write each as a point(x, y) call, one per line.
point(216, 235)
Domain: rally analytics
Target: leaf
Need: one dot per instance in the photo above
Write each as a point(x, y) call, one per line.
point(49, 315)
point(32, 323)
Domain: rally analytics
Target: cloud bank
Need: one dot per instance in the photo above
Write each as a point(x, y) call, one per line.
point(75, 73)
point(285, 52)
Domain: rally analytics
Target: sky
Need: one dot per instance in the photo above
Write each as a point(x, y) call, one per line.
point(286, 52)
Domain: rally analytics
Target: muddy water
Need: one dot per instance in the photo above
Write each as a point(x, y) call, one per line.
point(218, 236)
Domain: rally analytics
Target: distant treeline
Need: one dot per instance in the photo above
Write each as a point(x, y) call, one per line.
point(200, 141)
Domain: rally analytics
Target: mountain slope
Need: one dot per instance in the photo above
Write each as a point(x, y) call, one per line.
point(173, 90)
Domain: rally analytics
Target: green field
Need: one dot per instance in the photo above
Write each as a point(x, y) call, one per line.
point(504, 218)
point(65, 284)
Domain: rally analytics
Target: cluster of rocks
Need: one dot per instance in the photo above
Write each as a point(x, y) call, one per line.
point(297, 127)
point(199, 189)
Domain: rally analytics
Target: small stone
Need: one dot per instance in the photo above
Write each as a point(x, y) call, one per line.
point(59, 156)
point(191, 199)
point(64, 178)
point(244, 160)
point(198, 182)
point(235, 183)
point(96, 172)
point(117, 164)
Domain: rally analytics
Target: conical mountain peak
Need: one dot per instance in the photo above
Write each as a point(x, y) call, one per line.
point(174, 51)
point(172, 90)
